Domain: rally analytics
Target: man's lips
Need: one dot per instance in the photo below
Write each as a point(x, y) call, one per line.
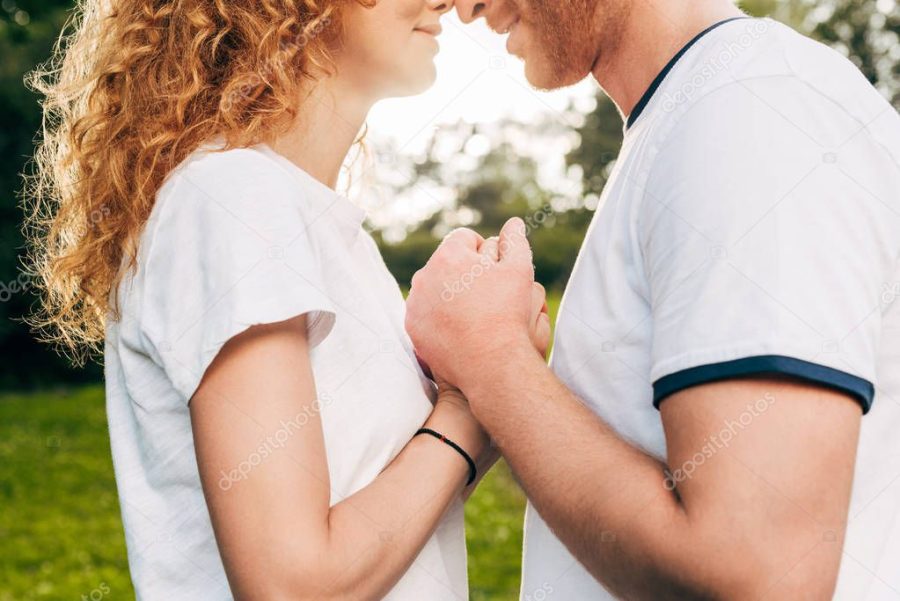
point(505, 26)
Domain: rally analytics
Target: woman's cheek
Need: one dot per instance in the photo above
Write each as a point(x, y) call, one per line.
point(407, 11)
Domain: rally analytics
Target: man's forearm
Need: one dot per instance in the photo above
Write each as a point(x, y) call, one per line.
point(604, 499)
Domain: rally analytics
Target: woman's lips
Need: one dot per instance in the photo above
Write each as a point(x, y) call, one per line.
point(429, 33)
point(433, 30)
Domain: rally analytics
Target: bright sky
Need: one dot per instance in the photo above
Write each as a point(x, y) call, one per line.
point(477, 82)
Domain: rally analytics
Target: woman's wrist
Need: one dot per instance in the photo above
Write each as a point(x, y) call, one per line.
point(470, 463)
point(451, 417)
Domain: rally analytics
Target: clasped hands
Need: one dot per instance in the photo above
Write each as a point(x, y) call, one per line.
point(475, 302)
point(474, 305)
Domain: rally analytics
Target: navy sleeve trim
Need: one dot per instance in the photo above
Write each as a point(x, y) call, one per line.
point(861, 390)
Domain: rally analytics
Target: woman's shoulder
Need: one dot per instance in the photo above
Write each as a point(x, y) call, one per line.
point(236, 174)
point(228, 191)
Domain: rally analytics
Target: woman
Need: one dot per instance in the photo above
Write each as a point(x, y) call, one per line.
point(263, 398)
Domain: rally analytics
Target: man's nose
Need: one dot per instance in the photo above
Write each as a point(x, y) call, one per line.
point(469, 10)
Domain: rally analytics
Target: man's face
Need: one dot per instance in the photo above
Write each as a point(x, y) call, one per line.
point(559, 40)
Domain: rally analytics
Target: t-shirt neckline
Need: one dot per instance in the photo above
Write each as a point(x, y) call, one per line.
point(351, 215)
point(657, 81)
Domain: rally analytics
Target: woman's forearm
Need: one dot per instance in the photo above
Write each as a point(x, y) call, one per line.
point(278, 536)
point(378, 532)
point(375, 534)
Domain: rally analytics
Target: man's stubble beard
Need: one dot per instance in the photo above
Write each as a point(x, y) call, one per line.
point(573, 34)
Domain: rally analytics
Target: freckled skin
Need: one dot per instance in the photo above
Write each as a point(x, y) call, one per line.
point(560, 42)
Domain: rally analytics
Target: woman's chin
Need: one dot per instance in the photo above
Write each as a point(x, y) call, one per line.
point(417, 83)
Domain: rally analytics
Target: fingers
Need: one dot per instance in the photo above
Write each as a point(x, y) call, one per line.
point(542, 333)
point(514, 246)
point(538, 299)
point(540, 318)
point(490, 248)
point(465, 238)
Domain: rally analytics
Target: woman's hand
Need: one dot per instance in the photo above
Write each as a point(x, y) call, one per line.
point(540, 319)
point(452, 404)
point(453, 417)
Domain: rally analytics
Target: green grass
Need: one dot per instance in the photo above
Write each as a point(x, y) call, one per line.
point(60, 530)
point(61, 533)
point(494, 517)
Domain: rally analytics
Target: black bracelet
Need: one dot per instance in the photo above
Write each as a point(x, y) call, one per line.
point(473, 472)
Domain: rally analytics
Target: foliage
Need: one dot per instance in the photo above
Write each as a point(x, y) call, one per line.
point(27, 32)
point(60, 522)
point(488, 189)
point(868, 36)
point(485, 187)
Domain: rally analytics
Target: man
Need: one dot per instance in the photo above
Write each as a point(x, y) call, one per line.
point(720, 417)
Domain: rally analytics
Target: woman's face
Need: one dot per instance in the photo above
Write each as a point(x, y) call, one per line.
point(389, 49)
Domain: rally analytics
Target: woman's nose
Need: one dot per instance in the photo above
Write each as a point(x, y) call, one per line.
point(440, 6)
point(469, 10)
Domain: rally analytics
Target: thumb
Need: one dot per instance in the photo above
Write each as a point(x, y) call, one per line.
point(514, 247)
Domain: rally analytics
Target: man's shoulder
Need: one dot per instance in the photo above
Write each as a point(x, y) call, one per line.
point(796, 121)
point(765, 67)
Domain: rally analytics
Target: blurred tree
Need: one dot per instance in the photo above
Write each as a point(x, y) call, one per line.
point(485, 187)
point(28, 29)
point(490, 188)
point(868, 33)
point(601, 137)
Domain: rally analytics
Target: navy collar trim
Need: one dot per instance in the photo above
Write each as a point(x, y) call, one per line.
point(654, 85)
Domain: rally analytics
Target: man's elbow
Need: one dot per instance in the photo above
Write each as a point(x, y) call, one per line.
point(769, 573)
point(748, 567)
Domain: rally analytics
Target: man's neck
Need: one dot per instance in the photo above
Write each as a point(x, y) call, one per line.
point(654, 31)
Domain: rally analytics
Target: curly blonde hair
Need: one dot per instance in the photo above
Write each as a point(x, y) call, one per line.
point(133, 88)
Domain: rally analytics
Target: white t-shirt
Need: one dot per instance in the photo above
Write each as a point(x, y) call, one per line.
point(751, 225)
point(239, 238)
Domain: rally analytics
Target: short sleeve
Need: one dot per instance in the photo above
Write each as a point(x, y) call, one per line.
point(768, 240)
point(230, 248)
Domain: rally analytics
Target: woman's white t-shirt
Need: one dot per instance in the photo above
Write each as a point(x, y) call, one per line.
point(238, 238)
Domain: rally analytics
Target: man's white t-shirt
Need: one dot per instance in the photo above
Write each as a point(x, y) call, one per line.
point(239, 238)
point(751, 226)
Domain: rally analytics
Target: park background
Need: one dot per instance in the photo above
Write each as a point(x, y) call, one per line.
point(479, 148)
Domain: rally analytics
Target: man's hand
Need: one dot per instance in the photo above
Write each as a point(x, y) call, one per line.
point(539, 316)
point(473, 303)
